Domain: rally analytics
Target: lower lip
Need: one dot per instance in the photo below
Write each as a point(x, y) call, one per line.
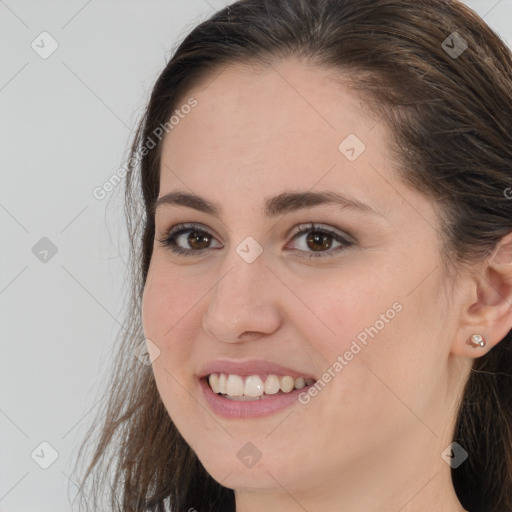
point(241, 409)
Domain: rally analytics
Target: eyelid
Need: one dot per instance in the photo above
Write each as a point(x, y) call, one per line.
point(312, 226)
point(344, 240)
point(183, 226)
point(177, 230)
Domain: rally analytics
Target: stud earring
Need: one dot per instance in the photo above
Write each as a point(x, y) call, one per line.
point(476, 340)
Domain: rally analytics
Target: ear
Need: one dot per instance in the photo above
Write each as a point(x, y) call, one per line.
point(488, 311)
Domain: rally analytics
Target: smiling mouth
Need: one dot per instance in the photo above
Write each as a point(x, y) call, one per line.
point(254, 387)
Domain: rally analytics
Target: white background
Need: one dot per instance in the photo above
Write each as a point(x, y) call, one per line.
point(65, 125)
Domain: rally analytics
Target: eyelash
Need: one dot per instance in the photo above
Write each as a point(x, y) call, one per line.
point(169, 239)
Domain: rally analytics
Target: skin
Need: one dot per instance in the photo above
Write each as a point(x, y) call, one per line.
point(372, 439)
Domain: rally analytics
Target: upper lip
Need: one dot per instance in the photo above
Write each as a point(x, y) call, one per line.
point(250, 367)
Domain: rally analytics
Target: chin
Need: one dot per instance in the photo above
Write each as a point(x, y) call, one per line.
point(238, 464)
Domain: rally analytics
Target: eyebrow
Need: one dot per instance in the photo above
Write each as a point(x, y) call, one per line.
point(285, 202)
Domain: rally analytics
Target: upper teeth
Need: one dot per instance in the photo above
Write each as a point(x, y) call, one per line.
point(234, 385)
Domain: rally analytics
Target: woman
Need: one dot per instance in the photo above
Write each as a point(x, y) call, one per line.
point(319, 201)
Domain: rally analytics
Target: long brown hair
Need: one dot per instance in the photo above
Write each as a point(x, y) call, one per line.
point(447, 100)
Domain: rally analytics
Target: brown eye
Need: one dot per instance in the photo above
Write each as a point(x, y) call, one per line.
point(187, 239)
point(319, 241)
point(198, 240)
point(315, 241)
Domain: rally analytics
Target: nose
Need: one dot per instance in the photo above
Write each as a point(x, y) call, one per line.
point(244, 304)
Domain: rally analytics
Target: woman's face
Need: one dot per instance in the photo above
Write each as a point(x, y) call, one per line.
point(359, 303)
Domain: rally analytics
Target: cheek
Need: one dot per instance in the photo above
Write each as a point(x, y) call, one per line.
point(375, 335)
point(170, 321)
point(166, 301)
point(167, 305)
point(352, 304)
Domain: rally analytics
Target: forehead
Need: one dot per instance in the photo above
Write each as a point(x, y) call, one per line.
point(242, 106)
point(285, 126)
